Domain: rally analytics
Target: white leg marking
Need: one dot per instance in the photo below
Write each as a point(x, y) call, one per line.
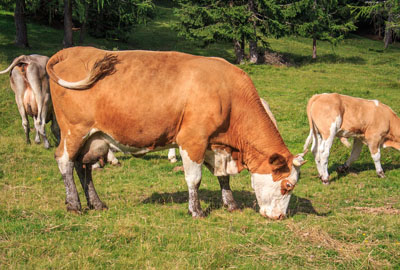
point(377, 160)
point(192, 169)
point(326, 146)
point(172, 155)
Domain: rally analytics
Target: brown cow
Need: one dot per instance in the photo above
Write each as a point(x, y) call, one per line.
point(141, 101)
point(30, 83)
point(367, 121)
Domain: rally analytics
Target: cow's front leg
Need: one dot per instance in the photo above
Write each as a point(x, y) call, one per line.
point(355, 153)
point(227, 196)
point(376, 157)
point(72, 198)
point(193, 178)
point(84, 172)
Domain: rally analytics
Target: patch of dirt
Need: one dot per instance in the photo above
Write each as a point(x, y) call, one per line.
point(387, 209)
point(274, 58)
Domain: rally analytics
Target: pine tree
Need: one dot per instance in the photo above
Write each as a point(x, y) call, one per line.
point(239, 22)
point(320, 20)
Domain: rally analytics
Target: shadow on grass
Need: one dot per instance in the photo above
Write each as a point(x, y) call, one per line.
point(245, 199)
point(359, 167)
point(302, 60)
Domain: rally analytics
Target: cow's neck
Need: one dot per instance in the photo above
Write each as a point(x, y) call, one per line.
point(257, 138)
point(395, 128)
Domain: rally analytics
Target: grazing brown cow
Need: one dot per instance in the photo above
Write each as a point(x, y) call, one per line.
point(367, 121)
point(141, 101)
point(30, 83)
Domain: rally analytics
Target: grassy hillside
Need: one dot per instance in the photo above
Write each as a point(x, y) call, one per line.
point(351, 224)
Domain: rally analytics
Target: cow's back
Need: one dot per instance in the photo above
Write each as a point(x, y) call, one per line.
point(148, 97)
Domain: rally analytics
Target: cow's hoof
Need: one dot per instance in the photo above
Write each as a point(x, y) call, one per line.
point(325, 181)
point(74, 210)
point(342, 169)
point(198, 214)
point(381, 174)
point(46, 145)
point(232, 207)
point(172, 160)
point(99, 206)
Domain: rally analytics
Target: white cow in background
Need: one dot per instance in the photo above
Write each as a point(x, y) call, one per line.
point(30, 83)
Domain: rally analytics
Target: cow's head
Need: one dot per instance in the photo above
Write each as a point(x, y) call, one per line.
point(273, 190)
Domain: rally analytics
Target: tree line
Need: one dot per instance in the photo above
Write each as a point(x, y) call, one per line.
point(246, 24)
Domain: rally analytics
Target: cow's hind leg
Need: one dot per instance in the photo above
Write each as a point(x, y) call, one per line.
point(68, 148)
point(355, 153)
point(227, 196)
point(172, 155)
point(66, 167)
point(24, 117)
point(18, 86)
point(192, 170)
point(84, 172)
point(324, 148)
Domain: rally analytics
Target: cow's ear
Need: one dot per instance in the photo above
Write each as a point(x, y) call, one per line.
point(277, 162)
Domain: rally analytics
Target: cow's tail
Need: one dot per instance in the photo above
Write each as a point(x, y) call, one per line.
point(310, 123)
point(19, 60)
point(101, 68)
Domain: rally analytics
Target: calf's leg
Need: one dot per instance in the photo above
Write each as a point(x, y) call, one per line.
point(355, 153)
point(376, 157)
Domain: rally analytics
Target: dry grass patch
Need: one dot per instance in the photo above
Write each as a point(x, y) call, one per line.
point(348, 252)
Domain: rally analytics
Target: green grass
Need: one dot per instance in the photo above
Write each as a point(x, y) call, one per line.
point(351, 224)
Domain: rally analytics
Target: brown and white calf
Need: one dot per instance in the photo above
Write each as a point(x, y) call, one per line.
point(141, 101)
point(30, 83)
point(172, 153)
point(367, 121)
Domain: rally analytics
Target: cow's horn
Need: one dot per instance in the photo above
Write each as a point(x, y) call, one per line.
point(298, 160)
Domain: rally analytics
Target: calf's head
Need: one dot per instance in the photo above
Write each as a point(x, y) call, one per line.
point(273, 190)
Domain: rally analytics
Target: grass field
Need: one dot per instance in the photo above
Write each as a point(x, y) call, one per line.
point(354, 223)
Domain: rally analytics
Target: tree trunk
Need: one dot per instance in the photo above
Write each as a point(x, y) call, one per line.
point(388, 32)
point(239, 51)
point(314, 48)
point(21, 37)
point(253, 43)
point(83, 31)
point(253, 51)
point(68, 41)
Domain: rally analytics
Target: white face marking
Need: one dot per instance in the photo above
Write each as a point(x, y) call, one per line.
point(269, 197)
point(69, 132)
point(192, 169)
